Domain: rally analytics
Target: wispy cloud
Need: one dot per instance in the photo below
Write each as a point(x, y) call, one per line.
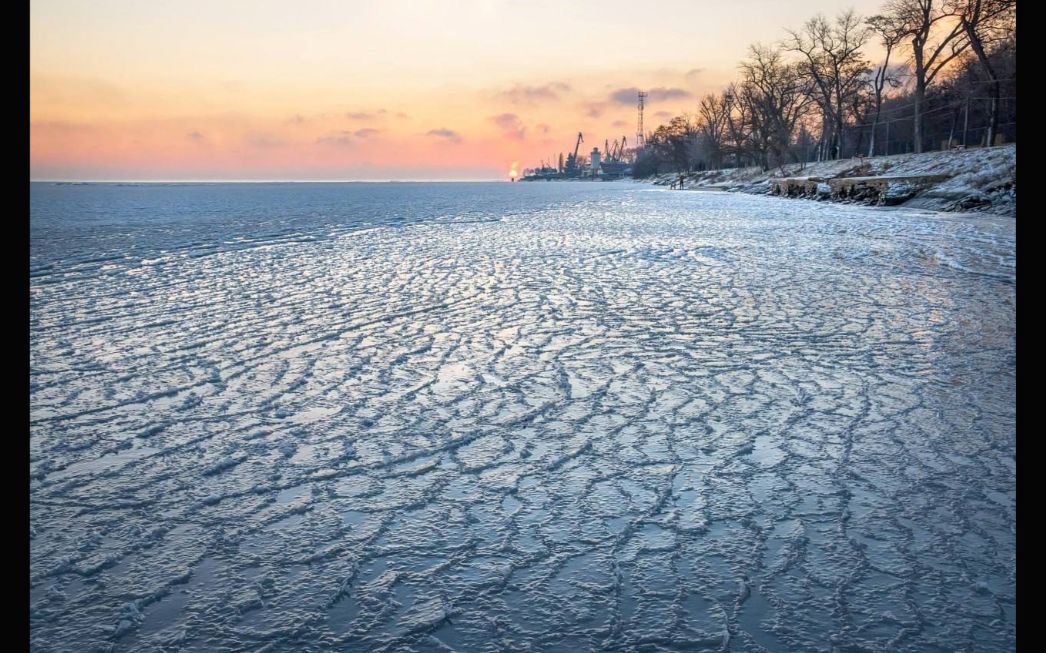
point(263, 141)
point(365, 115)
point(196, 137)
point(511, 126)
point(523, 94)
point(341, 138)
point(443, 132)
point(631, 95)
point(346, 138)
point(595, 109)
point(693, 74)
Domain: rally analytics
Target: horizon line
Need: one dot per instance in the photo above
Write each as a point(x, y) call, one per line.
point(259, 181)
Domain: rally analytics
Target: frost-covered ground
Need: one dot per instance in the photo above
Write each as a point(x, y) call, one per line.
point(510, 417)
point(982, 178)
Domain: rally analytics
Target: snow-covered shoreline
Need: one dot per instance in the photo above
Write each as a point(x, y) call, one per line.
point(983, 179)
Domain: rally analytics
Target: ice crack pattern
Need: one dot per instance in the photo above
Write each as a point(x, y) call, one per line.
point(560, 417)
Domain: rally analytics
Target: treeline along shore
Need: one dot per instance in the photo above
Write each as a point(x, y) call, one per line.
point(943, 79)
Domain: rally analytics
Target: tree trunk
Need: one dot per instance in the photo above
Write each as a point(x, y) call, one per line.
point(978, 47)
point(839, 124)
point(993, 113)
point(993, 107)
point(920, 96)
point(875, 124)
point(839, 135)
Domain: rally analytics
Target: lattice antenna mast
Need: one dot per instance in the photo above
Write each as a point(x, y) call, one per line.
point(639, 128)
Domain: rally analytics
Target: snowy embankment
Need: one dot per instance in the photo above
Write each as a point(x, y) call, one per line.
point(982, 179)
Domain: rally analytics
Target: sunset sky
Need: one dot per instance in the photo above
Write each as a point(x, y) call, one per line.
point(330, 90)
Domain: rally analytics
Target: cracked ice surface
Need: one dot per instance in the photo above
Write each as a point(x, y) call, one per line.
point(537, 417)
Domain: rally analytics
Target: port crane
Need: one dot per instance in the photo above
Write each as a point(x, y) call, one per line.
point(616, 150)
point(572, 167)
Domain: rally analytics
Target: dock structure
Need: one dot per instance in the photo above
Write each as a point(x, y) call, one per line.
point(882, 189)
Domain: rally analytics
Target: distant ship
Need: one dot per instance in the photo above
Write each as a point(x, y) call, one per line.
point(615, 169)
point(544, 173)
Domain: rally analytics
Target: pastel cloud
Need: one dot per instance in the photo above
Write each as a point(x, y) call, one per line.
point(511, 126)
point(631, 95)
point(366, 115)
point(595, 109)
point(341, 139)
point(693, 74)
point(524, 94)
point(263, 140)
point(443, 132)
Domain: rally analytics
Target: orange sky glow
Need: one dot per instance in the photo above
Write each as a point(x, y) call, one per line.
point(326, 90)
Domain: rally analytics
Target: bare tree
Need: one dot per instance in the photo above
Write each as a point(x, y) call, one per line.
point(673, 143)
point(833, 60)
point(890, 35)
point(737, 121)
point(935, 38)
point(776, 94)
point(769, 115)
point(984, 21)
point(713, 111)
